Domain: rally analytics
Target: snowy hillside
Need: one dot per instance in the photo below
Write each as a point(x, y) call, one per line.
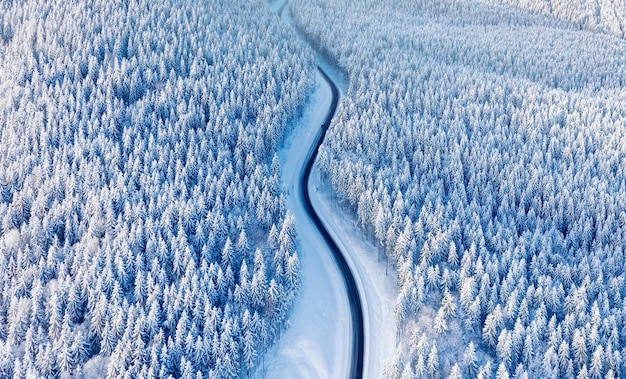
point(608, 16)
point(143, 224)
point(482, 147)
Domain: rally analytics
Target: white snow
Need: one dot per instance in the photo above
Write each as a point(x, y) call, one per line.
point(12, 238)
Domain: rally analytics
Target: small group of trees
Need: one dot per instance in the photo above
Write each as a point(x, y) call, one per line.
point(481, 148)
point(142, 221)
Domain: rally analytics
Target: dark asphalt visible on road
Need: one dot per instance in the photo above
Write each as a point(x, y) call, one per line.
point(356, 309)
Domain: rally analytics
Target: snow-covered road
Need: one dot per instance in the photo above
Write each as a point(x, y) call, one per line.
point(318, 341)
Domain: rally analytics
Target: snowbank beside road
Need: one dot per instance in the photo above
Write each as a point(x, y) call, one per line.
point(378, 291)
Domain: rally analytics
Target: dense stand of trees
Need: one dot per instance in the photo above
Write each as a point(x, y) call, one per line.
point(482, 148)
point(143, 228)
point(608, 16)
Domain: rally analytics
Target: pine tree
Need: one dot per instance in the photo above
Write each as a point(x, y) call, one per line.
point(453, 258)
point(46, 363)
point(455, 373)
point(528, 351)
point(583, 374)
point(293, 272)
point(440, 324)
point(550, 365)
point(407, 373)
point(470, 359)
point(227, 253)
point(563, 355)
point(579, 347)
point(66, 355)
point(249, 351)
point(490, 330)
point(504, 349)
point(433, 361)
point(108, 342)
point(7, 361)
point(81, 347)
point(503, 372)
point(447, 305)
point(420, 366)
point(596, 367)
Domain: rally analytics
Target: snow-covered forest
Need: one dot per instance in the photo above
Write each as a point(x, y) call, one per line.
point(607, 16)
point(143, 227)
point(482, 148)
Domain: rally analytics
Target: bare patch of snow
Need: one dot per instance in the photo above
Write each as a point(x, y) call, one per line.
point(11, 238)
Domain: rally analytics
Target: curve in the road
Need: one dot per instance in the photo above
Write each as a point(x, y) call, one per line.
point(281, 9)
point(356, 309)
point(354, 297)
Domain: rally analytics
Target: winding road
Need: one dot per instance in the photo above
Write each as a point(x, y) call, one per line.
point(356, 309)
point(356, 366)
